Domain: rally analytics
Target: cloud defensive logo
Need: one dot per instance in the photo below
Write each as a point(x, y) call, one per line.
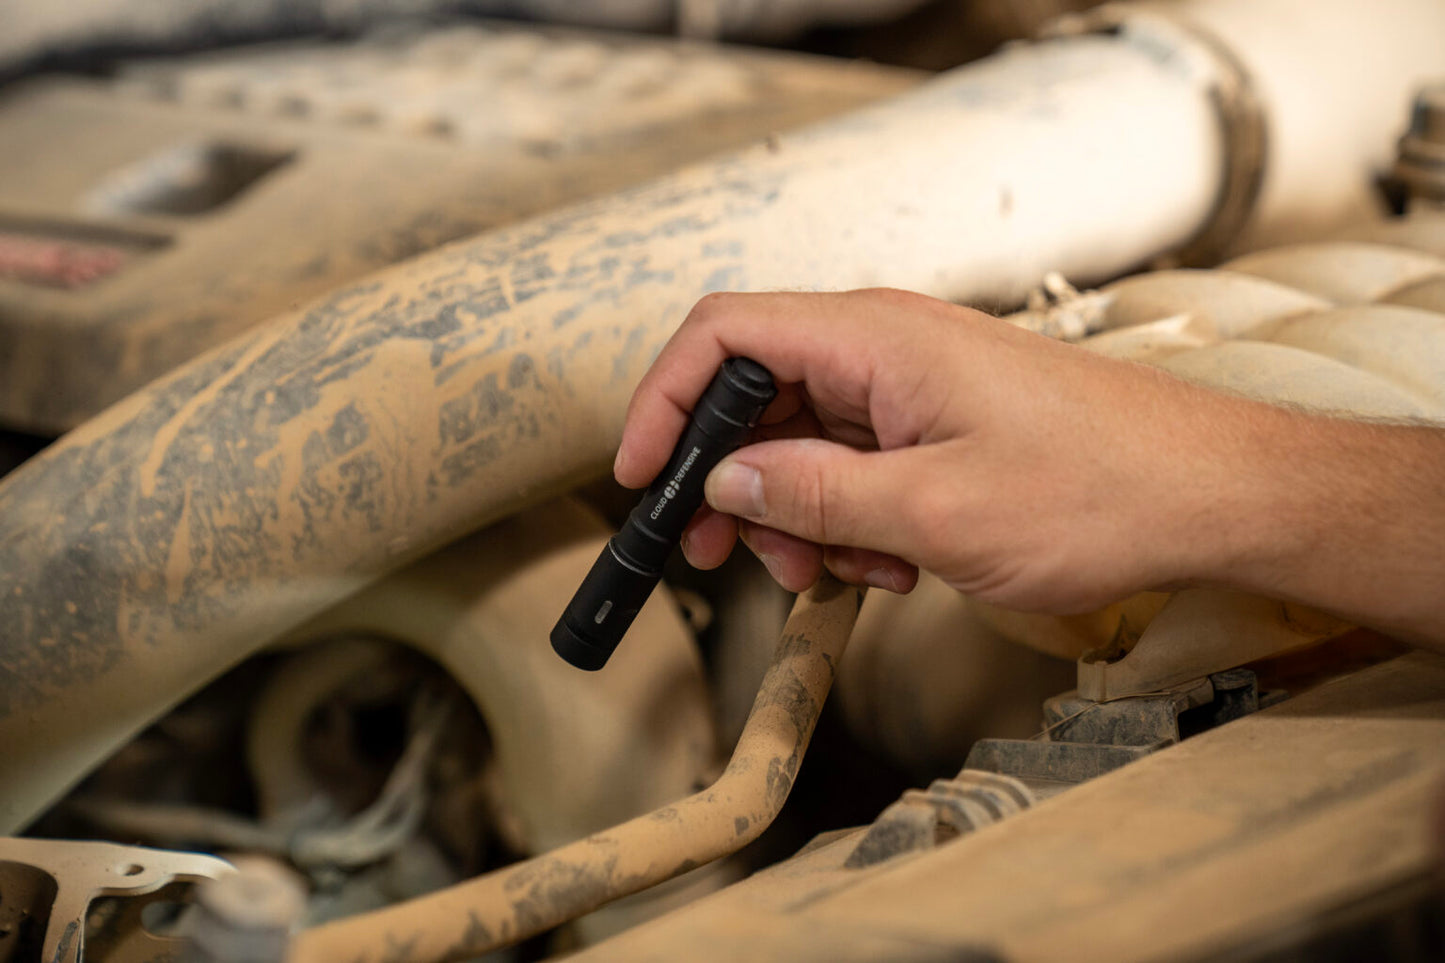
point(669, 491)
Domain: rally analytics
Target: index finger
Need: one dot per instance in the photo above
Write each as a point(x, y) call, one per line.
point(793, 335)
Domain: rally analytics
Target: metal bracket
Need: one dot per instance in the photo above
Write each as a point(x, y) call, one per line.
point(76, 873)
point(1084, 738)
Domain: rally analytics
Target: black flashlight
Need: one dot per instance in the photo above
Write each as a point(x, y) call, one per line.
point(628, 569)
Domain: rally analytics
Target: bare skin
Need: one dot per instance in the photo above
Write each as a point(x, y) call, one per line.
point(912, 433)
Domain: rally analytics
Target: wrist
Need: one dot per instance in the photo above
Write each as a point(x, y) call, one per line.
point(1334, 513)
point(1241, 512)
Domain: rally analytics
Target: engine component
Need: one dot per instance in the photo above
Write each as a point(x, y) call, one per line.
point(779, 19)
point(36, 29)
point(927, 676)
point(245, 917)
point(71, 876)
point(1421, 164)
point(377, 831)
point(1083, 739)
point(150, 217)
point(628, 569)
point(947, 809)
point(1302, 824)
point(1196, 633)
point(529, 897)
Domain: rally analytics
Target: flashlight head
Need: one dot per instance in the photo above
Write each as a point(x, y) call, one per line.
point(603, 608)
point(580, 651)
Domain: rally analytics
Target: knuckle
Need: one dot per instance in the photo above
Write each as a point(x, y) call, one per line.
point(812, 504)
point(891, 296)
point(711, 308)
point(896, 299)
point(928, 519)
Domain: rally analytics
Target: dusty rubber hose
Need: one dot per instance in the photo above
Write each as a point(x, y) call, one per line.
point(204, 516)
point(532, 896)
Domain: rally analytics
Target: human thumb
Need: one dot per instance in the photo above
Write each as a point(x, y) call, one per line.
point(817, 490)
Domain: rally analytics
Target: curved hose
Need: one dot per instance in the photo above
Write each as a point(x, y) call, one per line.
point(537, 894)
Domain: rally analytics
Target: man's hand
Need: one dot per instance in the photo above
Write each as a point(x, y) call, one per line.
point(910, 432)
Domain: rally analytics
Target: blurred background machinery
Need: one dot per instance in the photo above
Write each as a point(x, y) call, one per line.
point(344, 324)
point(215, 191)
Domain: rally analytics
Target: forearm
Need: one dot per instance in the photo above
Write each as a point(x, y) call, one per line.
point(1344, 515)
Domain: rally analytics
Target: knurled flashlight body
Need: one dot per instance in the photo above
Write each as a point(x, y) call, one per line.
point(630, 566)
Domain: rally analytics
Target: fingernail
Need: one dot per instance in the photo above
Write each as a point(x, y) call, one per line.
point(736, 489)
point(771, 563)
point(882, 578)
point(618, 463)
